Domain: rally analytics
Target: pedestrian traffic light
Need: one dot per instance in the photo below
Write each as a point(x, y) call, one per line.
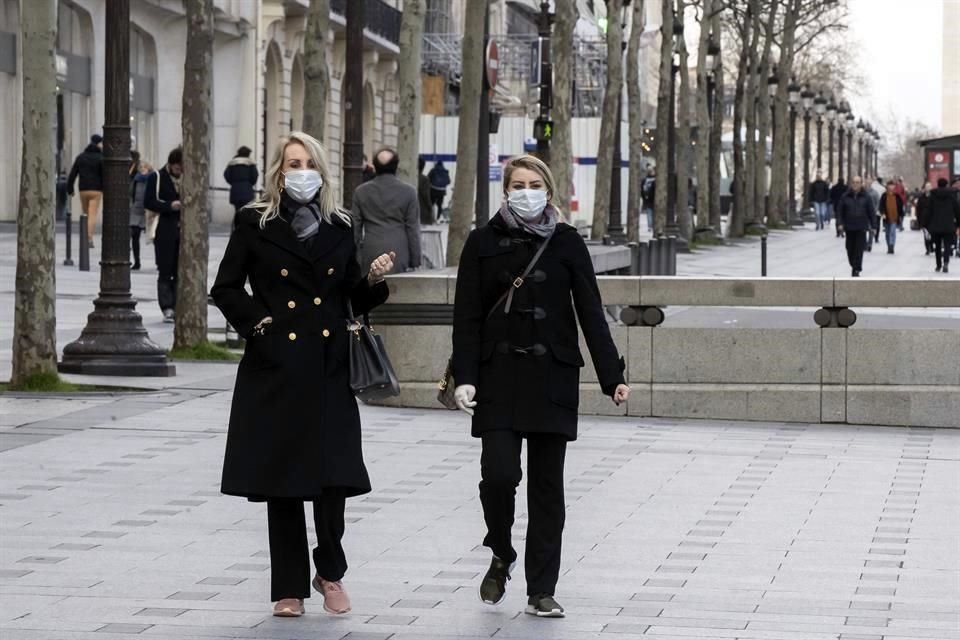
point(543, 130)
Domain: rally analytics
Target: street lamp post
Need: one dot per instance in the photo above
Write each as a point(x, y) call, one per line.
point(820, 107)
point(851, 127)
point(860, 130)
point(831, 119)
point(114, 341)
point(807, 97)
point(356, 15)
point(543, 128)
point(842, 110)
point(876, 151)
point(672, 227)
point(615, 231)
point(793, 95)
point(707, 229)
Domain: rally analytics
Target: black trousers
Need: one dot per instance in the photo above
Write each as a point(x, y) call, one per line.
point(166, 244)
point(500, 474)
point(856, 242)
point(289, 560)
point(942, 247)
point(135, 243)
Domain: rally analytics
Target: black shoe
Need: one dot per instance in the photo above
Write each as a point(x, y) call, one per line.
point(946, 269)
point(543, 605)
point(937, 269)
point(135, 267)
point(856, 274)
point(494, 584)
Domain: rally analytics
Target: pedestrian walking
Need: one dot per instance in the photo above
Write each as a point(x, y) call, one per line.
point(439, 181)
point(423, 193)
point(138, 192)
point(648, 193)
point(855, 218)
point(901, 190)
point(891, 209)
point(516, 362)
point(88, 167)
point(943, 222)
point(923, 216)
point(294, 430)
point(386, 215)
point(163, 197)
point(874, 190)
point(819, 196)
point(837, 192)
point(242, 175)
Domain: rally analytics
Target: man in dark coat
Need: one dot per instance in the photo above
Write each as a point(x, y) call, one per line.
point(423, 194)
point(163, 197)
point(242, 175)
point(88, 166)
point(856, 217)
point(439, 181)
point(386, 215)
point(942, 220)
point(837, 192)
point(819, 197)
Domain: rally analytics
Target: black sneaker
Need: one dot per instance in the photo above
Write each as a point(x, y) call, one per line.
point(937, 269)
point(946, 269)
point(543, 605)
point(494, 584)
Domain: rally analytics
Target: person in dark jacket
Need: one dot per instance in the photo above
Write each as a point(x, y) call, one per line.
point(923, 216)
point(242, 175)
point(294, 432)
point(138, 193)
point(423, 193)
point(891, 211)
point(88, 166)
point(439, 181)
point(856, 218)
point(819, 196)
point(648, 195)
point(837, 192)
point(943, 222)
point(516, 363)
point(163, 196)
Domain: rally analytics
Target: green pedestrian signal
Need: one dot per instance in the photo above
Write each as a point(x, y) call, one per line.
point(543, 130)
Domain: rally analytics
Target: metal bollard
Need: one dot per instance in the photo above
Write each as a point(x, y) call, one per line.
point(83, 250)
point(763, 256)
point(634, 253)
point(671, 257)
point(68, 228)
point(643, 259)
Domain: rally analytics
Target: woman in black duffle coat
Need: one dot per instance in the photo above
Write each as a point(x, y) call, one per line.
point(294, 433)
point(517, 369)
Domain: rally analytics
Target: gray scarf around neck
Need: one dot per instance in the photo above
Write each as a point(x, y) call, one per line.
point(542, 228)
point(305, 221)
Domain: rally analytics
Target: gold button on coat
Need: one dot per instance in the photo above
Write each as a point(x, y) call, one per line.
point(284, 273)
point(292, 304)
point(316, 301)
point(326, 333)
point(330, 271)
point(292, 336)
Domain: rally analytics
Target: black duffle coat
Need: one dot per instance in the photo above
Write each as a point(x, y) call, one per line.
point(294, 425)
point(526, 364)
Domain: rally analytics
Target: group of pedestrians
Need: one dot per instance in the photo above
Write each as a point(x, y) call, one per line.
point(294, 431)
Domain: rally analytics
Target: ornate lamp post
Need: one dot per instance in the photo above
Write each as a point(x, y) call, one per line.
point(851, 127)
point(615, 231)
point(793, 95)
point(831, 118)
point(672, 226)
point(820, 107)
point(807, 97)
point(842, 110)
point(876, 151)
point(713, 53)
point(860, 129)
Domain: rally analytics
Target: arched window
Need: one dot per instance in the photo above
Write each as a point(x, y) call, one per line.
point(143, 88)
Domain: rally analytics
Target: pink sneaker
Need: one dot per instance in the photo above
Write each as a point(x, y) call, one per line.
point(335, 598)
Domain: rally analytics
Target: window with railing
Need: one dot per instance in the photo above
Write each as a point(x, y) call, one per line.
point(382, 19)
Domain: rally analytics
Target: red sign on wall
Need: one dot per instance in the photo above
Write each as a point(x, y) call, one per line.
point(938, 166)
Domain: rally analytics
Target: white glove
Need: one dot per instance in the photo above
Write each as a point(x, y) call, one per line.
point(463, 395)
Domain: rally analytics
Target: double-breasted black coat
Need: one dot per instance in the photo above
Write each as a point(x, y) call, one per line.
point(294, 426)
point(526, 364)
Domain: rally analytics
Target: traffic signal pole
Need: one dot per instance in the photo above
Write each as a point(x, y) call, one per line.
point(543, 126)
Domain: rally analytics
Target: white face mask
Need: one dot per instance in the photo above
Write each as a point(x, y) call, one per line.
point(302, 184)
point(527, 203)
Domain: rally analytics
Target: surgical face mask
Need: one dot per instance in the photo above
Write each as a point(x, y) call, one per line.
point(527, 203)
point(302, 184)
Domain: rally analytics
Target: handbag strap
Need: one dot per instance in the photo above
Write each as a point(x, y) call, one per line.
point(519, 280)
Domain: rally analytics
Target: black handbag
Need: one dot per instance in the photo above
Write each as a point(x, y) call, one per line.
point(447, 385)
point(371, 373)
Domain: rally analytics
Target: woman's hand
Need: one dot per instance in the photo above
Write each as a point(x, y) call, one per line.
point(621, 394)
point(463, 395)
point(381, 267)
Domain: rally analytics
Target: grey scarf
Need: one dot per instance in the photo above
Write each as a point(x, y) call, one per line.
point(542, 228)
point(305, 221)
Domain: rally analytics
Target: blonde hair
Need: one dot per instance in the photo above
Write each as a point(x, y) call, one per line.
point(538, 166)
point(269, 203)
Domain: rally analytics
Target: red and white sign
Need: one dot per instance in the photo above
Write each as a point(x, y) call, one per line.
point(493, 63)
point(938, 166)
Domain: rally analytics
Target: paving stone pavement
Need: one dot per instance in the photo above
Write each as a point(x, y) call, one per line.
point(112, 526)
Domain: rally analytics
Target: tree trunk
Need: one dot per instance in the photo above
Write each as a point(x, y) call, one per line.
point(748, 209)
point(316, 80)
point(684, 219)
point(471, 84)
point(780, 170)
point(763, 117)
point(716, 133)
point(664, 118)
point(34, 317)
point(408, 116)
point(561, 149)
point(635, 116)
point(735, 220)
point(191, 320)
point(702, 148)
point(608, 123)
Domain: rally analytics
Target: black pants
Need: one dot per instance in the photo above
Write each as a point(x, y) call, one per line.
point(167, 247)
point(436, 200)
point(500, 474)
point(856, 242)
point(289, 561)
point(942, 247)
point(135, 243)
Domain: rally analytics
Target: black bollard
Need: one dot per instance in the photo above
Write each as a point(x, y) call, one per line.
point(83, 251)
point(671, 257)
point(68, 228)
point(763, 255)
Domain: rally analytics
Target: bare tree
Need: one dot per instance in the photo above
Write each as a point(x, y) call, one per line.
point(684, 219)
point(408, 117)
point(664, 118)
point(471, 84)
point(191, 319)
point(561, 149)
point(902, 156)
point(763, 116)
point(35, 304)
point(316, 78)
point(702, 148)
point(635, 118)
point(742, 21)
point(780, 172)
point(609, 117)
point(716, 131)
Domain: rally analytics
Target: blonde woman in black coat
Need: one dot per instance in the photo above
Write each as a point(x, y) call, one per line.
point(294, 432)
point(516, 363)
